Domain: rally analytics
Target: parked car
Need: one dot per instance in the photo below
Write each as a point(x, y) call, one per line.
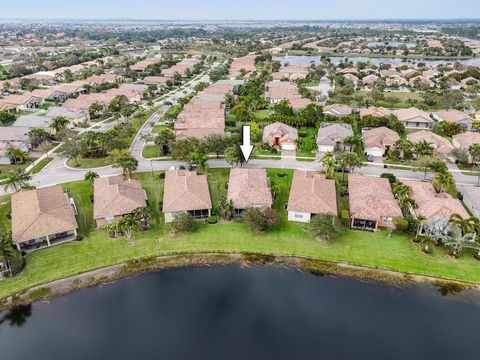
point(370, 158)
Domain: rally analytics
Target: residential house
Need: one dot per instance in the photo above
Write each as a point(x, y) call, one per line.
point(114, 197)
point(16, 137)
point(186, 192)
point(42, 217)
point(156, 81)
point(280, 136)
point(311, 194)
point(204, 114)
point(413, 118)
point(464, 140)
point(433, 205)
point(25, 101)
point(370, 80)
point(453, 115)
point(331, 135)
point(337, 110)
point(75, 116)
point(372, 204)
point(249, 188)
point(396, 81)
point(440, 145)
point(374, 111)
point(378, 141)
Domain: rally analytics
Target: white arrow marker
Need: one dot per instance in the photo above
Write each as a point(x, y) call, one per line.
point(246, 147)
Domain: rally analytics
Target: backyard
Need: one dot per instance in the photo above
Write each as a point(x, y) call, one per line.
point(97, 250)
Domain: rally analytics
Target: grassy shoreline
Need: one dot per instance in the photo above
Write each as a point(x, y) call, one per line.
point(356, 248)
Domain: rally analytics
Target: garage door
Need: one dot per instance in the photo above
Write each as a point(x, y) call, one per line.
point(288, 147)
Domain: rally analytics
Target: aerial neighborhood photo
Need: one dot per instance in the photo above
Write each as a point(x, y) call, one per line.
point(247, 180)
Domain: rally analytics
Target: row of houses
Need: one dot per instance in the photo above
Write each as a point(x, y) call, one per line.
point(277, 91)
point(181, 68)
point(245, 63)
point(412, 118)
point(205, 113)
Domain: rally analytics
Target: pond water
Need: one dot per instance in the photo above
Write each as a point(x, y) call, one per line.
point(232, 312)
point(307, 59)
point(391, 43)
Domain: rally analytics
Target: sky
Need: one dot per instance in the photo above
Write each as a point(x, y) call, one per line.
point(241, 9)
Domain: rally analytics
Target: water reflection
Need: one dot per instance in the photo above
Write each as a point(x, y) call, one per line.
point(17, 316)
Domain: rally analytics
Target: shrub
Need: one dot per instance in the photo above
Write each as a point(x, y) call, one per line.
point(324, 227)
point(183, 223)
point(345, 217)
point(17, 262)
point(391, 178)
point(259, 220)
point(400, 224)
point(230, 123)
point(212, 219)
point(302, 133)
point(161, 176)
point(281, 174)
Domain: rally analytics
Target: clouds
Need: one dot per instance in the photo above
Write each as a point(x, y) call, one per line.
point(243, 9)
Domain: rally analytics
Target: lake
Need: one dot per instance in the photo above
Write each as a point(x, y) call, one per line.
point(232, 312)
point(390, 43)
point(307, 59)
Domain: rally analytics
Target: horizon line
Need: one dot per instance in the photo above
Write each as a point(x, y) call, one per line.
point(233, 20)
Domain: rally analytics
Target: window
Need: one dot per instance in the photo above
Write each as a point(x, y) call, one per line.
point(298, 216)
point(109, 219)
point(387, 219)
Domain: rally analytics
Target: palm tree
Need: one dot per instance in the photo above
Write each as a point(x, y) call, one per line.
point(406, 203)
point(44, 147)
point(275, 190)
point(90, 176)
point(17, 155)
point(59, 123)
point(401, 190)
point(128, 224)
point(423, 148)
point(355, 141)
point(466, 226)
point(458, 242)
point(404, 146)
point(329, 163)
point(16, 180)
point(348, 161)
point(444, 180)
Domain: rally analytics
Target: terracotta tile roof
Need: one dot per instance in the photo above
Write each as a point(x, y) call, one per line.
point(332, 133)
point(41, 212)
point(374, 111)
point(185, 190)
point(114, 196)
point(371, 198)
point(453, 115)
point(432, 204)
point(312, 193)
point(338, 109)
point(204, 114)
point(248, 188)
point(287, 134)
point(466, 139)
point(379, 137)
point(414, 114)
point(442, 145)
point(247, 63)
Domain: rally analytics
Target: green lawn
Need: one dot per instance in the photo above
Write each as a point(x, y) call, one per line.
point(86, 163)
point(96, 250)
point(308, 147)
point(4, 169)
point(37, 168)
point(151, 151)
